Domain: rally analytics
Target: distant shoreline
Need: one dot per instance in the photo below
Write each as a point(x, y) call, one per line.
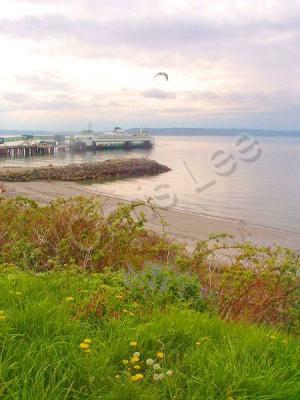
point(179, 131)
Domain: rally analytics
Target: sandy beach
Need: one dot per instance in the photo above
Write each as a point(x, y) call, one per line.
point(183, 226)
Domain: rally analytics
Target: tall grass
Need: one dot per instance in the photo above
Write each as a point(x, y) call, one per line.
point(48, 315)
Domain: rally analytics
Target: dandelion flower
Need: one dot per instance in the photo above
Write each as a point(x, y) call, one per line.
point(160, 355)
point(156, 377)
point(84, 346)
point(133, 344)
point(69, 299)
point(156, 367)
point(137, 354)
point(137, 367)
point(137, 377)
point(134, 360)
point(161, 376)
point(169, 373)
point(150, 362)
point(87, 340)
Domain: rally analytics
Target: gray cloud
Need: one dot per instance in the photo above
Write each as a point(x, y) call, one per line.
point(15, 97)
point(45, 82)
point(159, 94)
point(157, 33)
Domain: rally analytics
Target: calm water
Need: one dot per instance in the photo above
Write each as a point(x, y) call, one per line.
point(258, 182)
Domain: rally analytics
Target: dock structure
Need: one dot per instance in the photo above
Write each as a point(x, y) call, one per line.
point(22, 150)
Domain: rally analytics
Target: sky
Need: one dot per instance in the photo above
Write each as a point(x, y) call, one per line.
point(231, 64)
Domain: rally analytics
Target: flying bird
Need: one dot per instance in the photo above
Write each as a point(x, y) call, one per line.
point(162, 74)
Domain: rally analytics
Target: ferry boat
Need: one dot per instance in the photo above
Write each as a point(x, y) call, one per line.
point(117, 139)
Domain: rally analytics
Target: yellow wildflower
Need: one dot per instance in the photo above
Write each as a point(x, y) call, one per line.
point(87, 350)
point(133, 344)
point(119, 297)
point(198, 344)
point(117, 376)
point(160, 355)
point(84, 346)
point(87, 340)
point(273, 337)
point(69, 298)
point(2, 317)
point(137, 367)
point(125, 362)
point(134, 360)
point(137, 377)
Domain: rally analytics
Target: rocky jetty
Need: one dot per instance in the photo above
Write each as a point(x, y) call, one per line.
point(100, 171)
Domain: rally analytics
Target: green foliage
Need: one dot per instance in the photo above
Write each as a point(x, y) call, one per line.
point(76, 231)
point(163, 286)
point(257, 284)
point(239, 281)
point(48, 315)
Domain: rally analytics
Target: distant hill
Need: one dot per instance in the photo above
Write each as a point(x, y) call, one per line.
point(216, 132)
point(173, 132)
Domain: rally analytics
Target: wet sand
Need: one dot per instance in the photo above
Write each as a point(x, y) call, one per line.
point(183, 226)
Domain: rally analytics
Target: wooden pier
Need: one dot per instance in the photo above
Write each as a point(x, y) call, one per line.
point(27, 150)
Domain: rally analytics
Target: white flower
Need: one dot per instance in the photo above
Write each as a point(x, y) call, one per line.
point(150, 362)
point(137, 354)
point(169, 373)
point(156, 377)
point(161, 376)
point(156, 367)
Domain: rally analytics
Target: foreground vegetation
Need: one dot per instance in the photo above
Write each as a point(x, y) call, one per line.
point(95, 306)
point(72, 335)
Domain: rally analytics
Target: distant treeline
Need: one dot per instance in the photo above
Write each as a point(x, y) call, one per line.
point(216, 132)
point(174, 132)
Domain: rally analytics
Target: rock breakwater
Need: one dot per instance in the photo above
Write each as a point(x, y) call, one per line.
point(100, 171)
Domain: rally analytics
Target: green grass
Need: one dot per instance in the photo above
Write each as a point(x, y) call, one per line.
point(40, 356)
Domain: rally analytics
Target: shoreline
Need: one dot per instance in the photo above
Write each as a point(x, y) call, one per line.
point(209, 216)
point(188, 227)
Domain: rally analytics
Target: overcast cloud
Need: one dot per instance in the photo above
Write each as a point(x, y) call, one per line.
point(231, 63)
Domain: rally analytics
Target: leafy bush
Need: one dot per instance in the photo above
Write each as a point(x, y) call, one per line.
point(162, 286)
point(76, 231)
point(239, 281)
point(260, 284)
